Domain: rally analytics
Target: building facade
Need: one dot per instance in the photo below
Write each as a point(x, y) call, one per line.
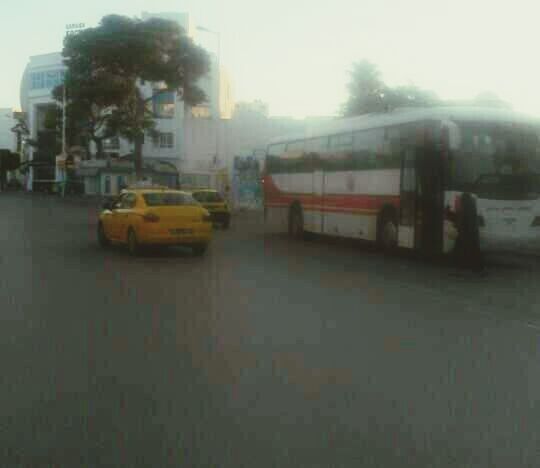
point(41, 75)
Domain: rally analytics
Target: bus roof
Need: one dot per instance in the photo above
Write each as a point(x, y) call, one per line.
point(406, 115)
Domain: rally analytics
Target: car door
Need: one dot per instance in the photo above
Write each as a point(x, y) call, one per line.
point(116, 218)
point(106, 220)
point(125, 214)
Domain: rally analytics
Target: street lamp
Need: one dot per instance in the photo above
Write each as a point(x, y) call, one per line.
point(218, 80)
point(218, 53)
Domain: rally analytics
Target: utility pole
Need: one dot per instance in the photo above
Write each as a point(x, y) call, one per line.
point(217, 87)
point(73, 28)
point(64, 119)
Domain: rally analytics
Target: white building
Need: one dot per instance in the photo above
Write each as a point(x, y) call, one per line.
point(42, 74)
point(8, 139)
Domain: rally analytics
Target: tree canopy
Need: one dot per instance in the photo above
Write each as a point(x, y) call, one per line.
point(108, 64)
point(368, 92)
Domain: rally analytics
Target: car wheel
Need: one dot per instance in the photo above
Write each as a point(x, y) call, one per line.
point(199, 249)
point(132, 243)
point(387, 231)
point(102, 237)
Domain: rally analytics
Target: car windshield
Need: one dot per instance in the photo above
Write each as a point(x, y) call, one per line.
point(168, 199)
point(497, 155)
point(208, 197)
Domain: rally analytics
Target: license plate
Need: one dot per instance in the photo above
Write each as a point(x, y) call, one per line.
point(180, 232)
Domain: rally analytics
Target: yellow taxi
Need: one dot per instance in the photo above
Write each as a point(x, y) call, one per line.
point(155, 216)
point(215, 204)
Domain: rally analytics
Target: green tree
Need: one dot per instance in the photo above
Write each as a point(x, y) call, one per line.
point(366, 88)
point(8, 162)
point(489, 99)
point(368, 92)
point(108, 64)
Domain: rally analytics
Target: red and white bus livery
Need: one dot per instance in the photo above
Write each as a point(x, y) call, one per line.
point(433, 179)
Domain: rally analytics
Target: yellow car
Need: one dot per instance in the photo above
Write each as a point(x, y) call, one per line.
point(155, 216)
point(215, 204)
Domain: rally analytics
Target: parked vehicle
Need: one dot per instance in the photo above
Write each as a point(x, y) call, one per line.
point(215, 204)
point(155, 216)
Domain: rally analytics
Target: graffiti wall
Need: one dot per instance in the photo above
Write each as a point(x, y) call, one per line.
point(247, 188)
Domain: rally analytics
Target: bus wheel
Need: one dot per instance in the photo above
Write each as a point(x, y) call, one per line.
point(296, 222)
point(387, 231)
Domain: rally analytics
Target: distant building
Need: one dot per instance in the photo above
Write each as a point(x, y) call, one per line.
point(252, 109)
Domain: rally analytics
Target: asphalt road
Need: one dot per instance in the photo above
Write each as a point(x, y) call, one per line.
point(264, 353)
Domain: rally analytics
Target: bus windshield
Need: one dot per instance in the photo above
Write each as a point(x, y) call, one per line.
point(497, 161)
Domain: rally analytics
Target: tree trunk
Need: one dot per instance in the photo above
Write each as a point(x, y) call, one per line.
point(137, 154)
point(139, 138)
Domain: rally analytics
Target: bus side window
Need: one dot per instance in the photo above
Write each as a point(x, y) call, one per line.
point(273, 162)
point(341, 152)
point(368, 148)
point(408, 187)
point(392, 149)
point(295, 157)
point(316, 149)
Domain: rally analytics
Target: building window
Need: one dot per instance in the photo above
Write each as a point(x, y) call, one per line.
point(163, 105)
point(46, 80)
point(200, 112)
point(52, 78)
point(37, 80)
point(165, 140)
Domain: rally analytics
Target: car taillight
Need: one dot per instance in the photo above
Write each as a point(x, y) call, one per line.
point(536, 222)
point(151, 218)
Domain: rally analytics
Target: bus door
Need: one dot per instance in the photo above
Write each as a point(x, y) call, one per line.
point(317, 208)
point(408, 199)
point(421, 200)
point(315, 148)
point(430, 207)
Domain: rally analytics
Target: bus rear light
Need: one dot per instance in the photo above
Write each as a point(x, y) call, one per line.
point(536, 222)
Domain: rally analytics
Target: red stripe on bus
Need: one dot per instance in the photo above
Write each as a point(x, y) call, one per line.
point(327, 209)
point(335, 201)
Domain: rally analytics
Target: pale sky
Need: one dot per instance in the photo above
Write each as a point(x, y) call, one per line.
point(295, 55)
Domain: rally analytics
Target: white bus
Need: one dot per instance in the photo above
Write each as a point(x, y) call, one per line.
point(435, 179)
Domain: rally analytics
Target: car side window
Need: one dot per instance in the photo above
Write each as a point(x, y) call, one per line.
point(129, 201)
point(118, 202)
